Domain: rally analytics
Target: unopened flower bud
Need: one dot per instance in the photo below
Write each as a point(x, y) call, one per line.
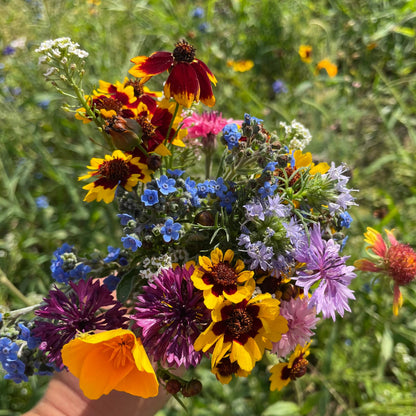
point(173, 386)
point(192, 388)
point(205, 218)
point(124, 132)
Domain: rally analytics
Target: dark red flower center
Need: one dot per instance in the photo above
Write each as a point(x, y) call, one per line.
point(227, 368)
point(114, 170)
point(298, 369)
point(222, 274)
point(401, 263)
point(184, 52)
point(239, 323)
point(148, 128)
point(137, 86)
point(107, 103)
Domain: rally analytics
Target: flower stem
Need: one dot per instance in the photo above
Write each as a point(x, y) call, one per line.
point(6, 282)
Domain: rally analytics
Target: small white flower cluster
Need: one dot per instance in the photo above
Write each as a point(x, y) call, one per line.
point(297, 136)
point(152, 266)
point(60, 48)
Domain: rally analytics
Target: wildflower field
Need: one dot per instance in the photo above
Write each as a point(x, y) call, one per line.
point(342, 72)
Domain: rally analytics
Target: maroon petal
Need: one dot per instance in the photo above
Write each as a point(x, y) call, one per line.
point(182, 84)
point(154, 64)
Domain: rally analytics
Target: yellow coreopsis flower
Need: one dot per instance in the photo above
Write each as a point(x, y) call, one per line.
point(243, 330)
point(283, 373)
point(114, 170)
point(219, 278)
point(110, 360)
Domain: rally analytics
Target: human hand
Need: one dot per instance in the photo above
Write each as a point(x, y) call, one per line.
point(64, 398)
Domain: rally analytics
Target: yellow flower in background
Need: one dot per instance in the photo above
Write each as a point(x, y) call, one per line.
point(329, 67)
point(305, 53)
point(240, 66)
point(283, 373)
point(110, 360)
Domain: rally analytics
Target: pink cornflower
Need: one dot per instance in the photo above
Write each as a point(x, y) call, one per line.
point(301, 319)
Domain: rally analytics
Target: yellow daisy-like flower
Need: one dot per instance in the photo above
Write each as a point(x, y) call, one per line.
point(219, 279)
point(240, 66)
point(110, 360)
point(304, 160)
point(305, 53)
point(243, 331)
point(110, 100)
point(283, 373)
point(329, 67)
point(115, 170)
point(225, 369)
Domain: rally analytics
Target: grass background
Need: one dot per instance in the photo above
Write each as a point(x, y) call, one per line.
point(363, 364)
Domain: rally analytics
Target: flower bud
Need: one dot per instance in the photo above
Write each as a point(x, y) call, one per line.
point(192, 388)
point(173, 386)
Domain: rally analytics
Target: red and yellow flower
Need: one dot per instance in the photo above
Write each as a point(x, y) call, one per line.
point(218, 278)
point(392, 258)
point(122, 102)
point(189, 78)
point(283, 373)
point(110, 360)
point(243, 331)
point(114, 170)
point(225, 369)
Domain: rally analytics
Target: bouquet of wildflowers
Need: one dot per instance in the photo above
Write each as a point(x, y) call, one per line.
point(230, 261)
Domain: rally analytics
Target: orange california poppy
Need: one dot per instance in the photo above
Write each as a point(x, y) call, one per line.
point(110, 360)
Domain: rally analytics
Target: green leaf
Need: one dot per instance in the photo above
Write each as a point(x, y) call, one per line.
point(125, 286)
point(282, 409)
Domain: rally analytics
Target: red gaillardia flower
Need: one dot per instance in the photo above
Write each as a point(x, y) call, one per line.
point(115, 170)
point(189, 78)
point(394, 259)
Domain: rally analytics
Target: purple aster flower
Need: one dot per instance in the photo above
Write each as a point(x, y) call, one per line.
point(170, 230)
point(254, 209)
point(166, 185)
point(276, 208)
point(301, 319)
point(323, 264)
point(172, 314)
point(65, 314)
point(260, 255)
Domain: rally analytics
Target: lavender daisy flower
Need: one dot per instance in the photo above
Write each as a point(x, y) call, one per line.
point(324, 265)
point(260, 255)
point(301, 319)
point(172, 314)
point(65, 314)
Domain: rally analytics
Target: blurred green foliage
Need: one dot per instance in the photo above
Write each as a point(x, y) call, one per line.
point(364, 116)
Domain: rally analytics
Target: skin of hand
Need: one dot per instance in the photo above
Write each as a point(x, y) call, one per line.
point(63, 397)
